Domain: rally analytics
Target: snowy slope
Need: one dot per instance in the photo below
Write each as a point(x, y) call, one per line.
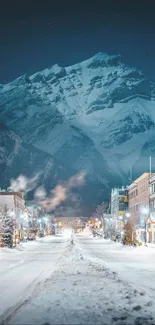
point(96, 115)
point(18, 158)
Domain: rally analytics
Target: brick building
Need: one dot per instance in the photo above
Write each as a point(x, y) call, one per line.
point(138, 199)
point(151, 228)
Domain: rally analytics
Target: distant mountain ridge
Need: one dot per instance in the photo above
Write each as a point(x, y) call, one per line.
point(97, 115)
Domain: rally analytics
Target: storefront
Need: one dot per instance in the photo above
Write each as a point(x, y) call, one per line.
point(151, 233)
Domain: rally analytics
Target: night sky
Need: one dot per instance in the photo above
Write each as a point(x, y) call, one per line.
point(34, 36)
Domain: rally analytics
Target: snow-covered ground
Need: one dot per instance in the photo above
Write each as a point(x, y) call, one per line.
point(78, 284)
point(134, 264)
point(24, 269)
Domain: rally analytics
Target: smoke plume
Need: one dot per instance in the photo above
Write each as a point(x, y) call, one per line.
point(60, 194)
point(22, 183)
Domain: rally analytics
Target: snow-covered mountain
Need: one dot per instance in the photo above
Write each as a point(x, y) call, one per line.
point(17, 157)
point(96, 115)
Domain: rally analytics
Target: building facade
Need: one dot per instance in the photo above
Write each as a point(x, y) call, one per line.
point(119, 201)
point(138, 200)
point(15, 203)
point(151, 225)
point(119, 206)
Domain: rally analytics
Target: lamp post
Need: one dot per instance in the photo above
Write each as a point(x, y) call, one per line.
point(145, 211)
point(40, 224)
point(106, 226)
point(103, 224)
point(45, 223)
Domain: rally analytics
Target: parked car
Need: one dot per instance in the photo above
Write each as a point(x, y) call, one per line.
point(31, 237)
point(118, 237)
point(41, 234)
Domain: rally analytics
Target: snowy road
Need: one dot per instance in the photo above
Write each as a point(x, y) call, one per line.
point(23, 271)
point(55, 282)
point(135, 265)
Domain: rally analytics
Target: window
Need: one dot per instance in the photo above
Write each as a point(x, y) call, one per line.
point(152, 206)
point(153, 188)
point(121, 207)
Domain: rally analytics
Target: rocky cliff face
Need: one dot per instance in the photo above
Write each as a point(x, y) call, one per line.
point(97, 116)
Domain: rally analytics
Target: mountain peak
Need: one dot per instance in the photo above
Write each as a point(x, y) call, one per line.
point(96, 115)
point(105, 56)
point(101, 59)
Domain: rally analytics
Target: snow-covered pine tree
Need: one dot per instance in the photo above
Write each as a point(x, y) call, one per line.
point(7, 228)
point(1, 227)
point(129, 232)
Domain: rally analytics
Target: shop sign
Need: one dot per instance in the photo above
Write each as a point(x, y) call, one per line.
point(120, 213)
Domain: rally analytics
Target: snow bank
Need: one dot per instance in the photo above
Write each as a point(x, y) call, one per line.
point(83, 292)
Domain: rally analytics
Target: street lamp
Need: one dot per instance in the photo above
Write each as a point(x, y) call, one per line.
point(12, 213)
point(145, 211)
point(40, 224)
point(99, 223)
point(128, 215)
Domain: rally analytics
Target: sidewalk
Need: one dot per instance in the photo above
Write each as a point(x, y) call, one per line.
point(150, 245)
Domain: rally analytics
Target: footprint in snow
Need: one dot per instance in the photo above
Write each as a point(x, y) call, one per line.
point(138, 307)
point(149, 303)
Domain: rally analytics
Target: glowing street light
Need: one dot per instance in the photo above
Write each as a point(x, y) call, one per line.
point(22, 216)
point(145, 211)
point(12, 214)
point(128, 215)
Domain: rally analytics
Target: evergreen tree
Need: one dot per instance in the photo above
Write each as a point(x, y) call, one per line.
point(100, 209)
point(129, 233)
point(7, 228)
point(1, 227)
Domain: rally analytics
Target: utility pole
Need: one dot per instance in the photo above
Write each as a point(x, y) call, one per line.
point(103, 223)
point(150, 165)
point(149, 182)
point(131, 173)
point(145, 232)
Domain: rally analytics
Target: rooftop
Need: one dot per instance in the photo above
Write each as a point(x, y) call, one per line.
point(20, 194)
